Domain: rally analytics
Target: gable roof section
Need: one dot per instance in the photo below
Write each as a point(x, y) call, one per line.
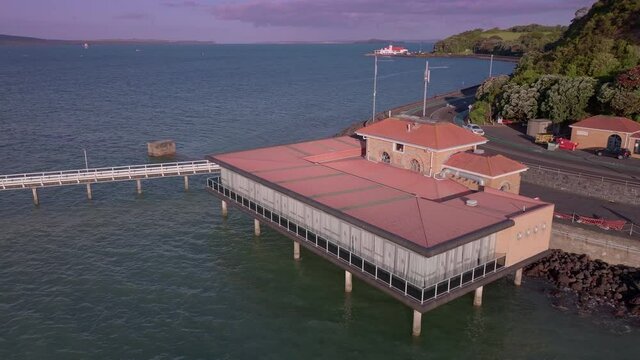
point(609, 123)
point(436, 136)
point(486, 165)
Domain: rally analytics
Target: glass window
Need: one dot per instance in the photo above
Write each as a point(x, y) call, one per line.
point(399, 147)
point(322, 242)
point(415, 165)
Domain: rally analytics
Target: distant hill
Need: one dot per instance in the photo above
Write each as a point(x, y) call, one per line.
point(24, 40)
point(514, 41)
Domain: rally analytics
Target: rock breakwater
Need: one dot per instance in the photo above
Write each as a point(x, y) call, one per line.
point(595, 282)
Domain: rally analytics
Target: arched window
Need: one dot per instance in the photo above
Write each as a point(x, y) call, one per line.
point(505, 186)
point(415, 165)
point(614, 142)
point(385, 158)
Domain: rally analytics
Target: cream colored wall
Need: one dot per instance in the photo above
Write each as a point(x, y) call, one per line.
point(532, 242)
point(598, 138)
point(513, 180)
point(442, 156)
point(376, 147)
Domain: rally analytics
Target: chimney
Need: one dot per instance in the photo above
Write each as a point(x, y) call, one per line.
point(408, 127)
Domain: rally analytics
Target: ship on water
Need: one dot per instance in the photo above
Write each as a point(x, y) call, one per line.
point(392, 50)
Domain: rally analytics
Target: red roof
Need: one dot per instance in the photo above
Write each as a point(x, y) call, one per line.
point(636, 135)
point(437, 135)
point(491, 166)
point(610, 123)
point(409, 206)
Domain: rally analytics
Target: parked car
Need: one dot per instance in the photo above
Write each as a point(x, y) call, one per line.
point(619, 153)
point(474, 128)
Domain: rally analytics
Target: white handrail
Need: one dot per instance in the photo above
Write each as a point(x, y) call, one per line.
point(115, 173)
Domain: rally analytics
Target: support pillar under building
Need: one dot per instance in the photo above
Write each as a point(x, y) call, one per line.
point(256, 227)
point(296, 250)
point(34, 192)
point(139, 186)
point(477, 297)
point(224, 208)
point(348, 282)
point(518, 279)
point(186, 183)
point(89, 193)
point(417, 323)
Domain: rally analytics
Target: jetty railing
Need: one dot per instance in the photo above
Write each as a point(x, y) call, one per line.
point(105, 174)
point(416, 292)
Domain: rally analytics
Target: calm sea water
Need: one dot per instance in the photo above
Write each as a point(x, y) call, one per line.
point(161, 275)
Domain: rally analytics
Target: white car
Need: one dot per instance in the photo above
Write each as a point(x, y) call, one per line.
point(474, 128)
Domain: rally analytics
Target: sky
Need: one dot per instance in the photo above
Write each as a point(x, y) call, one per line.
point(248, 21)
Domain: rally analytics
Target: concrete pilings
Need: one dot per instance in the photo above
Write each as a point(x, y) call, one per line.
point(348, 282)
point(256, 227)
point(417, 323)
point(224, 208)
point(34, 192)
point(518, 279)
point(296, 250)
point(186, 183)
point(89, 193)
point(477, 297)
point(138, 186)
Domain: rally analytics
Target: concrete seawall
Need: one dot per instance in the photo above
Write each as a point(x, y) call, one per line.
point(617, 191)
point(611, 249)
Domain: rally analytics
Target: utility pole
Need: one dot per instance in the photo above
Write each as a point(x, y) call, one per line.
point(427, 78)
point(375, 85)
point(491, 66)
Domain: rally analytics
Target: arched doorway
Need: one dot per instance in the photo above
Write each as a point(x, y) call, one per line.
point(415, 165)
point(385, 158)
point(505, 186)
point(614, 142)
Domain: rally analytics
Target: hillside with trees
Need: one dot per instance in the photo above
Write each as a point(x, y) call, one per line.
point(514, 41)
point(593, 68)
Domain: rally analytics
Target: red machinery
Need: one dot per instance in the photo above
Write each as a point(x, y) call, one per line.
point(566, 144)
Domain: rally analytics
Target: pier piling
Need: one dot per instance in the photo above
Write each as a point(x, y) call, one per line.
point(186, 183)
point(296, 250)
point(256, 227)
point(348, 282)
point(417, 323)
point(139, 186)
point(89, 193)
point(477, 297)
point(224, 208)
point(518, 279)
point(36, 201)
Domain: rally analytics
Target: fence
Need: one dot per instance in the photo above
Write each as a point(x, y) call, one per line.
point(604, 224)
point(626, 183)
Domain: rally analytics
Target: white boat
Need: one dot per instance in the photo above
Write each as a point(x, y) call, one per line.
point(85, 45)
point(392, 50)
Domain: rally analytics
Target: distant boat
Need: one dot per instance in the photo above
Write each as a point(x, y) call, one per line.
point(85, 45)
point(392, 51)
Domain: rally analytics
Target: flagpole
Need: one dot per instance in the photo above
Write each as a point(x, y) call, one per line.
point(375, 85)
point(427, 75)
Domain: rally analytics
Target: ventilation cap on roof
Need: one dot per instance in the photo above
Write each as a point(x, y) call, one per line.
point(471, 202)
point(478, 151)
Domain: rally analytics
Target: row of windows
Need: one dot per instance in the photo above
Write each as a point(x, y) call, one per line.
point(394, 281)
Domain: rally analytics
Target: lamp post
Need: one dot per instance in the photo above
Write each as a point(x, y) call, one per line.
point(375, 85)
point(427, 78)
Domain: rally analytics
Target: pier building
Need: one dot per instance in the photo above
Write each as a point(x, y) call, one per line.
point(417, 233)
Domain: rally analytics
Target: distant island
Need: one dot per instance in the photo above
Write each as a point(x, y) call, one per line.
point(25, 40)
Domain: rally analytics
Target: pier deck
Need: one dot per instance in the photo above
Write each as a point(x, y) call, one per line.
point(109, 174)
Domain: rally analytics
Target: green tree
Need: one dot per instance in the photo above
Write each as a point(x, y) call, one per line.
point(568, 98)
point(480, 112)
point(519, 102)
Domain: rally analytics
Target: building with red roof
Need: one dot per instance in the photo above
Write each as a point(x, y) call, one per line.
point(602, 131)
point(420, 236)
